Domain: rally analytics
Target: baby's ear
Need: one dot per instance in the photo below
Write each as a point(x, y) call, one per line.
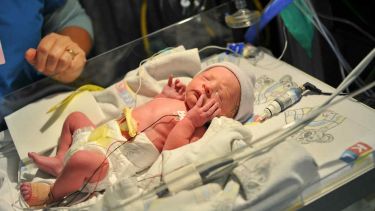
point(235, 109)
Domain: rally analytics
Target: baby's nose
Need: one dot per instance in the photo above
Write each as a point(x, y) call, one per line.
point(209, 89)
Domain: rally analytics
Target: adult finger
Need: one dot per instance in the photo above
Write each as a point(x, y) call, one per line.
point(64, 63)
point(57, 53)
point(30, 56)
point(42, 51)
point(74, 69)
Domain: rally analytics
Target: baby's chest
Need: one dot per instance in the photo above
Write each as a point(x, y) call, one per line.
point(159, 114)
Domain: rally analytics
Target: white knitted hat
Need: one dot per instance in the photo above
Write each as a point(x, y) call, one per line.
point(247, 83)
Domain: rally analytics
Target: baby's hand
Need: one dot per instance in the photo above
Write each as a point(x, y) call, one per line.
point(174, 90)
point(200, 114)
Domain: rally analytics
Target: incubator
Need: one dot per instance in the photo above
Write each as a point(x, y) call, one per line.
point(236, 166)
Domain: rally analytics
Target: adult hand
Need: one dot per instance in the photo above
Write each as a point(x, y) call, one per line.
point(202, 113)
point(174, 90)
point(58, 57)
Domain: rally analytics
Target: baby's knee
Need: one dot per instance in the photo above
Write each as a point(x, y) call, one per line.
point(78, 120)
point(76, 116)
point(87, 160)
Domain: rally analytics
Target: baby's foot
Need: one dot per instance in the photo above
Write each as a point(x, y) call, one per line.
point(51, 165)
point(36, 193)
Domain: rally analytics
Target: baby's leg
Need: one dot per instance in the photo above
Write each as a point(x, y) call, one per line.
point(54, 165)
point(83, 166)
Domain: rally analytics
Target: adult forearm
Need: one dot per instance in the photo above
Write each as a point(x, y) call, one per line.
point(79, 36)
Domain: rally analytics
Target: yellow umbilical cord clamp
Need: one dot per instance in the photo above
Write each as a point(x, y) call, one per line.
point(132, 125)
point(102, 136)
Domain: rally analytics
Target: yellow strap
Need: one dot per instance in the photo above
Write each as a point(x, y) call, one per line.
point(132, 125)
point(102, 135)
point(66, 101)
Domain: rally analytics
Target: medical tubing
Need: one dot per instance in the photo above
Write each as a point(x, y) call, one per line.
point(332, 43)
point(329, 38)
point(342, 72)
point(240, 154)
point(358, 70)
point(86, 183)
point(286, 131)
point(309, 86)
point(293, 126)
point(345, 21)
point(205, 169)
point(269, 12)
point(290, 128)
point(220, 48)
point(343, 63)
point(285, 44)
point(131, 139)
point(311, 15)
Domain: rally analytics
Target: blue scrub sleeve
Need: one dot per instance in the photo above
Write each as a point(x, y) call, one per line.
point(71, 14)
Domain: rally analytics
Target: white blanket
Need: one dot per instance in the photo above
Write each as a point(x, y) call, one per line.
point(283, 178)
point(224, 135)
point(271, 180)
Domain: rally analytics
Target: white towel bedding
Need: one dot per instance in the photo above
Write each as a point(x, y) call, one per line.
point(270, 180)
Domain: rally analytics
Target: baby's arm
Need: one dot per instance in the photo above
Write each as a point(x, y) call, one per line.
point(174, 90)
point(190, 128)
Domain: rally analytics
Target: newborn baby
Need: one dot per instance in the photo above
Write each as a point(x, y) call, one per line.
point(93, 158)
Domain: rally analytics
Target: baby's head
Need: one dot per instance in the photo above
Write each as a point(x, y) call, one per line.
point(233, 87)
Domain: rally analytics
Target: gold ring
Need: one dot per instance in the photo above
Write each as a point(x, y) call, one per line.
point(71, 52)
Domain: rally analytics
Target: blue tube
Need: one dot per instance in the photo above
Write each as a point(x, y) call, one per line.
point(269, 12)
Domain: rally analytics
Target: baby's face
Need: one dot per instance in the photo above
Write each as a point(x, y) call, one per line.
point(218, 83)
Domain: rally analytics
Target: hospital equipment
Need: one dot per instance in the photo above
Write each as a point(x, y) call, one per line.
point(292, 96)
point(121, 59)
point(271, 10)
point(243, 17)
point(191, 176)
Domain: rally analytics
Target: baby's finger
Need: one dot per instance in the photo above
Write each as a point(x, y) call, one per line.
point(200, 100)
point(176, 82)
point(208, 104)
point(170, 80)
point(212, 109)
point(216, 113)
point(181, 90)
